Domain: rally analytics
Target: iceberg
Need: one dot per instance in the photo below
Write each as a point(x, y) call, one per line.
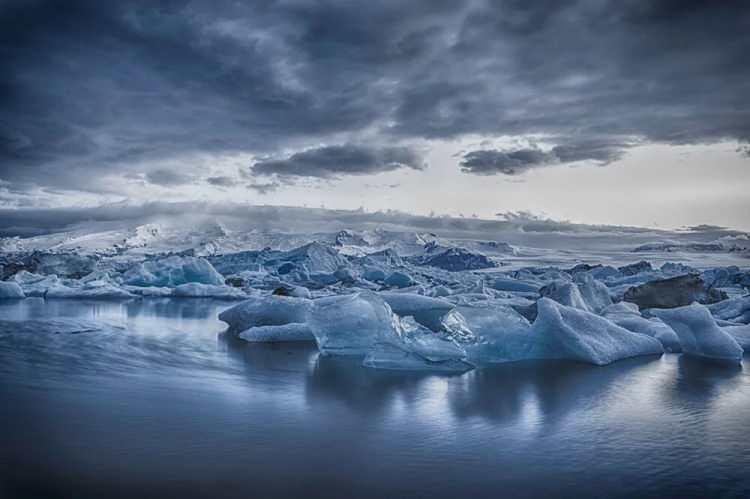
point(594, 293)
point(562, 332)
point(173, 271)
point(502, 334)
point(266, 311)
point(93, 289)
point(10, 289)
point(734, 309)
point(352, 324)
point(426, 310)
point(417, 348)
point(513, 285)
point(293, 331)
point(399, 279)
point(741, 335)
point(626, 315)
point(565, 293)
point(198, 290)
point(699, 335)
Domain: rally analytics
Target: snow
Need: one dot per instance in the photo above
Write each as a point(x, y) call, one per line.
point(173, 271)
point(10, 290)
point(699, 335)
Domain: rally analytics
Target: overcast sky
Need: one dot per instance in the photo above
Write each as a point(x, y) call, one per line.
point(618, 112)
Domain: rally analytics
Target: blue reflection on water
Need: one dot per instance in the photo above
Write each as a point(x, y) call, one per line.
point(148, 399)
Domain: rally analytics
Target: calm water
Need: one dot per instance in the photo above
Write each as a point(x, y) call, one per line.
point(147, 399)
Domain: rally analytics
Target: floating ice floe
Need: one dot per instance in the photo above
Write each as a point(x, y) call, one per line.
point(416, 348)
point(562, 332)
point(352, 324)
point(92, 289)
point(10, 289)
point(267, 311)
point(699, 335)
point(294, 331)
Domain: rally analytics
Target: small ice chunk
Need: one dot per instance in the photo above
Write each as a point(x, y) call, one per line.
point(699, 335)
point(294, 331)
point(10, 289)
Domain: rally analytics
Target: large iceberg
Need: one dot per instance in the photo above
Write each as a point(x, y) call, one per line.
point(699, 335)
point(352, 324)
point(417, 348)
point(561, 332)
point(502, 334)
point(173, 271)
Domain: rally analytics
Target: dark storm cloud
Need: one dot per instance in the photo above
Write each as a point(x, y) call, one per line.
point(334, 161)
point(517, 161)
point(94, 88)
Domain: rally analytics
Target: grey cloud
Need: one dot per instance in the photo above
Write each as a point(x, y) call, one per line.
point(264, 188)
point(91, 88)
point(222, 181)
point(340, 160)
point(517, 161)
point(167, 178)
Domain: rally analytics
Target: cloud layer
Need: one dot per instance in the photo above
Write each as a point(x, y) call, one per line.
point(92, 88)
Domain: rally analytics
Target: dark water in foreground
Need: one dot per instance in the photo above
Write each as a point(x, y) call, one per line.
point(158, 404)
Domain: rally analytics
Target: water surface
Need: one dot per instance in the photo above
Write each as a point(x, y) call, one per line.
point(148, 399)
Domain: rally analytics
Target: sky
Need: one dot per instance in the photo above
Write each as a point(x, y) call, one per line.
point(622, 112)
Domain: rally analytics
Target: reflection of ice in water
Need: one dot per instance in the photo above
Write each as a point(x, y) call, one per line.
point(154, 402)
